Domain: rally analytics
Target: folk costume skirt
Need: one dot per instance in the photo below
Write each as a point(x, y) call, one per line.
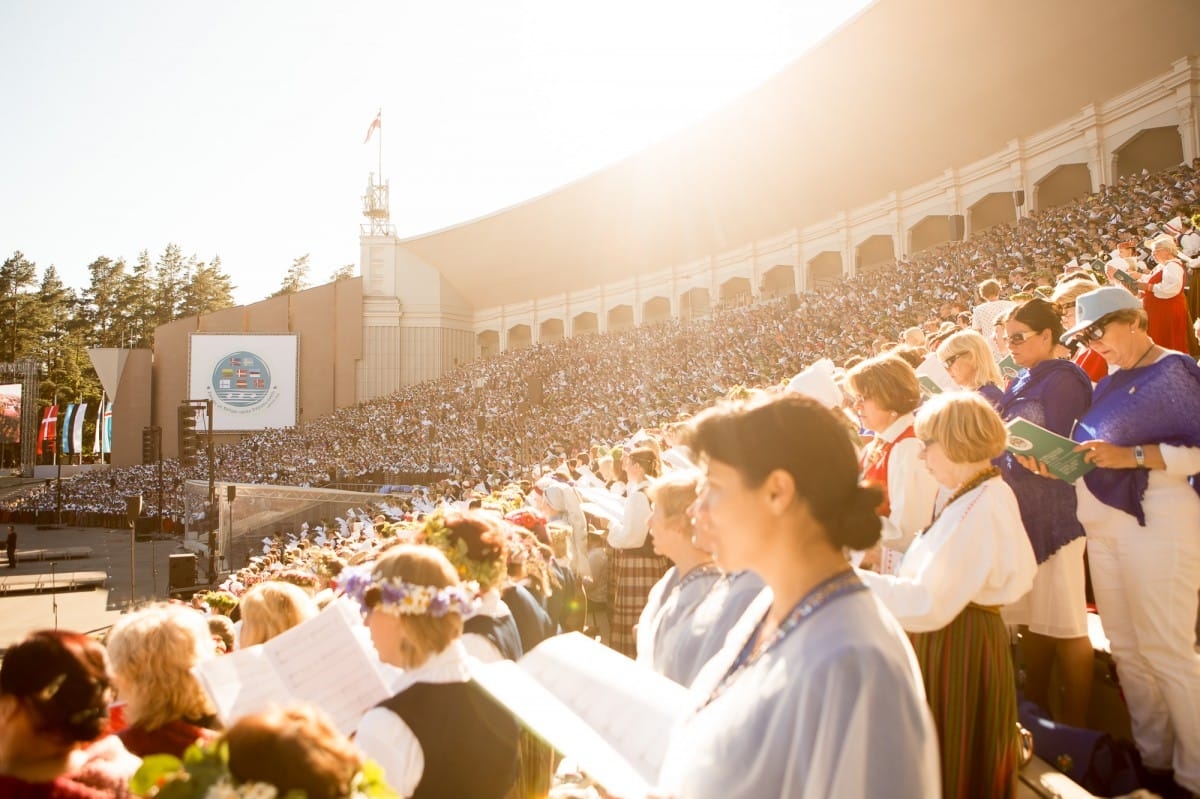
point(969, 681)
point(634, 573)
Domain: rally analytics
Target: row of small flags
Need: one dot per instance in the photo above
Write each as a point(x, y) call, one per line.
point(70, 432)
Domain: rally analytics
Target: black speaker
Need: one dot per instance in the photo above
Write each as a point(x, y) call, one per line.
point(958, 227)
point(1019, 197)
point(181, 571)
point(133, 508)
point(231, 493)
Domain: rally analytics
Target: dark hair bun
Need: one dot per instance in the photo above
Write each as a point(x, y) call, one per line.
point(859, 526)
point(65, 681)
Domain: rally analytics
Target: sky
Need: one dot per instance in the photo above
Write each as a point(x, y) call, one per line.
point(235, 129)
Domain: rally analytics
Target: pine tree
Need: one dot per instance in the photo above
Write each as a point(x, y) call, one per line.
point(17, 275)
point(296, 278)
point(208, 290)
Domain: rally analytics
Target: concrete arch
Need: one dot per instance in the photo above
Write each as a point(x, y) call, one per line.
point(1064, 183)
point(825, 268)
point(990, 210)
point(620, 317)
point(656, 310)
point(931, 231)
point(519, 337)
point(1151, 149)
point(779, 281)
point(550, 330)
point(584, 323)
point(735, 291)
point(489, 343)
point(874, 251)
point(694, 302)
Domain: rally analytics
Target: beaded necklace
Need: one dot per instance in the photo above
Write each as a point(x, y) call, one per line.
point(970, 485)
point(839, 585)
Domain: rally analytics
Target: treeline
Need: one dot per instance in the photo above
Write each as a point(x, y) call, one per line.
point(54, 324)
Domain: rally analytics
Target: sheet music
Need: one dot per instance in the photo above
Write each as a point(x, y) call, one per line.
point(579, 692)
point(240, 683)
point(322, 661)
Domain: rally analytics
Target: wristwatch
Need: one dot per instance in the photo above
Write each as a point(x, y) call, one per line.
point(1139, 455)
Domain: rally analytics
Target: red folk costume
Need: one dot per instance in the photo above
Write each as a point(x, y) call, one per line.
point(875, 466)
point(1168, 317)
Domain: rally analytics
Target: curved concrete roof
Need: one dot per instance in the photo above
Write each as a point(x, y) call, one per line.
point(901, 93)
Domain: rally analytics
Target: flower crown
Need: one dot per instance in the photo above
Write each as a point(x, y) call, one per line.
point(204, 774)
point(485, 563)
point(399, 598)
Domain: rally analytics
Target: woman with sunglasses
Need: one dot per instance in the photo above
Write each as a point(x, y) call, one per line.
point(967, 358)
point(1053, 394)
point(1141, 511)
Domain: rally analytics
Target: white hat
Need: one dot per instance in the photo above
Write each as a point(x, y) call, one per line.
point(818, 383)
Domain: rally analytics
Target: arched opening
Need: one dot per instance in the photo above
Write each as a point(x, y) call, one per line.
point(620, 317)
point(550, 330)
point(489, 343)
point(656, 310)
point(991, 210)
point(1151, 149)
point(779, 281)
point(520, 337)
point(735, 291)
point(873, 252)
point(584, 323)
point(825, 269)
point(934, 230)
point(694, 303)
point(1064, 184)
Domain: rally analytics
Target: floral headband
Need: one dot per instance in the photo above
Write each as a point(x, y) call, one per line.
point(399, 598)
point(203, 773)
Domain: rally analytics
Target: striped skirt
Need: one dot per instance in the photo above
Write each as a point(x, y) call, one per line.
point(633, 575)
point(969, 680)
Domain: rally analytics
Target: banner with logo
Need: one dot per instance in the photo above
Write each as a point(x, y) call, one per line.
point(252, 379)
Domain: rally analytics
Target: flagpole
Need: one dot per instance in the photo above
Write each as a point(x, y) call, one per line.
point(379, 161)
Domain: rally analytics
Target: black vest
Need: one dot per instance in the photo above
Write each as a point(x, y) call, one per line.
point(468, 739)
point(502, 632)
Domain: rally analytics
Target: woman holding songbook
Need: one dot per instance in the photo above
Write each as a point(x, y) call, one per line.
point(816, 693)
point(1141, 510)
point(440, 734)
point(972, 560)
point(1051, 393)
point(1163, 298)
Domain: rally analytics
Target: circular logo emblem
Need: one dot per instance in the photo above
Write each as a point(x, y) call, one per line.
point(1020, 444)
point(241, 380)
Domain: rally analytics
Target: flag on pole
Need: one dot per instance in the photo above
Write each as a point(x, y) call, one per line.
point(64, 436)
point(375, 125)
point(48, 429)
point(77, 429)
point(106, 429)
point(96, 431)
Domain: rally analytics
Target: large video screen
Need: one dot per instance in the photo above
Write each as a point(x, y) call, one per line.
point(252, 379)
point(10, 413)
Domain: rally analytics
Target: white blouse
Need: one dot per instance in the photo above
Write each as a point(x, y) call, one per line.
point(977, 551)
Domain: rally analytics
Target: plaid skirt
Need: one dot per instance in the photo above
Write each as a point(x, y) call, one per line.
point(971, 686)
point(633, 575)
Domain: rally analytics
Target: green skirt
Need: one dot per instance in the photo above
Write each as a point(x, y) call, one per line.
point(968, 672)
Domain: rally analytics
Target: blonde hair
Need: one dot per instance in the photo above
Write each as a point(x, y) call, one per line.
point(889, 380)
point(1067, 292)
point(153, 651)
point(971, 343)
point(271, 608)
point(675, 491)
point(965, 425)
point(419, 564)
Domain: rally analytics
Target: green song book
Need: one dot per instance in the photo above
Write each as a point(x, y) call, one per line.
point(928, 386)
point(1057, 452)
point(1129, 281)
point(1008, 367)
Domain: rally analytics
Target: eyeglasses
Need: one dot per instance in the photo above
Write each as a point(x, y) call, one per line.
point(946, 364)
point(1093, 333)
point(1019, 338)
